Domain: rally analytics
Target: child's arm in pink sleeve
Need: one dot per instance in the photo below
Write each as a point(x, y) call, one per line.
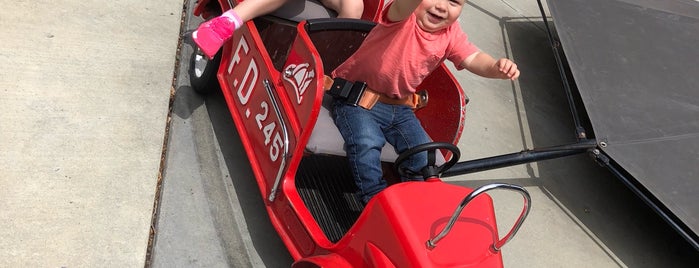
point(482, 64)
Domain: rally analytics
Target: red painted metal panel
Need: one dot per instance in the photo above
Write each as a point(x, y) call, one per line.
point(303, 81)
point(242, 75)
point(443, 117)
point(398, 225)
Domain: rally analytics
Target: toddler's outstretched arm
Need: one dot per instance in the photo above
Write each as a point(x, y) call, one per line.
point(482, 64)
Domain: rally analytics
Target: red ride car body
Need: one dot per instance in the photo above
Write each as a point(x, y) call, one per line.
point(274, 94)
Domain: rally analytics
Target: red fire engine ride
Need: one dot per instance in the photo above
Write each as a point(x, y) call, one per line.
point(271, 74)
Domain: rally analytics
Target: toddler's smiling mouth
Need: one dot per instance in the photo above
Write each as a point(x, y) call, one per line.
point(434, 18)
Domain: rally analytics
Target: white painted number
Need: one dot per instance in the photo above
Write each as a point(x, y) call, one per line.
point(244, 92)
point(262, 116)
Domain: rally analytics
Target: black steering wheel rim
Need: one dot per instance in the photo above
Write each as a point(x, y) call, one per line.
point(431, 169)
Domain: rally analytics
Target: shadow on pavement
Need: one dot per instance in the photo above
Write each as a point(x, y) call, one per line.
point(264, 237)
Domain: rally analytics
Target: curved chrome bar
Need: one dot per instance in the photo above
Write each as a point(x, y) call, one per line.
point(285, 133)
point(432, 243)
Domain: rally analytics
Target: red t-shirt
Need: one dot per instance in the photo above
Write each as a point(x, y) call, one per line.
point(396, 57)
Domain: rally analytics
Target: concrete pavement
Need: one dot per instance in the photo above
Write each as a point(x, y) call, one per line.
point(201, 214)
point(85, 89)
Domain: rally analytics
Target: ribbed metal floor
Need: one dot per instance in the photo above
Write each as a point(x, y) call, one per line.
point(327, 188)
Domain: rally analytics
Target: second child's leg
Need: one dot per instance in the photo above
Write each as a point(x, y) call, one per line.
point(350, 9)
point(212, 34)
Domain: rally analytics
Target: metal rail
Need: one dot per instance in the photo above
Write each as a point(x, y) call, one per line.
point(432, 243)
point(683, 230)
point(522, 157)
point(580, 132)
point(285, 133)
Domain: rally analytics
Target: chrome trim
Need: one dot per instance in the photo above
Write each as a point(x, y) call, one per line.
point(432, 243)
point(285, 133)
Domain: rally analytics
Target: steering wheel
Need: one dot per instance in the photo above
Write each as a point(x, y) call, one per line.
point(432, 169)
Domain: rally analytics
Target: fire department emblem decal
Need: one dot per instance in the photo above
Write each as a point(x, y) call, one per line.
point(300, 76)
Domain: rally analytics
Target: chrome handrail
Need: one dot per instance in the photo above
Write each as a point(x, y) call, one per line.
point(432, 243)
point(285, 133)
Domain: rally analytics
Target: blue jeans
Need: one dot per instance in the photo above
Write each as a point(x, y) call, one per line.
point(366, 132)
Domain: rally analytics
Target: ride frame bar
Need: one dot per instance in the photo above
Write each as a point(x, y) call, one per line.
point(523, 157)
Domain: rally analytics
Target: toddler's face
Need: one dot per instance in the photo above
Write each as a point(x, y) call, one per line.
point(435, 15)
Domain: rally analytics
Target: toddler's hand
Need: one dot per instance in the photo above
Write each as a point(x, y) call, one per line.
point(507, 68)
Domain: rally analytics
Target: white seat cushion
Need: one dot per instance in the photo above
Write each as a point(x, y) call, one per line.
point(326, 138)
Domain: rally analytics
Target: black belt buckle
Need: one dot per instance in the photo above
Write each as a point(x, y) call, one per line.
point(356, 93)
point(350, 92)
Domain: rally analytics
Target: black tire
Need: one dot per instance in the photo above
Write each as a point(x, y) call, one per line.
point(202, 72)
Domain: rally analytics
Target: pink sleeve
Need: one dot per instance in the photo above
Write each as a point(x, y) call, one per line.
point(460, 47)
